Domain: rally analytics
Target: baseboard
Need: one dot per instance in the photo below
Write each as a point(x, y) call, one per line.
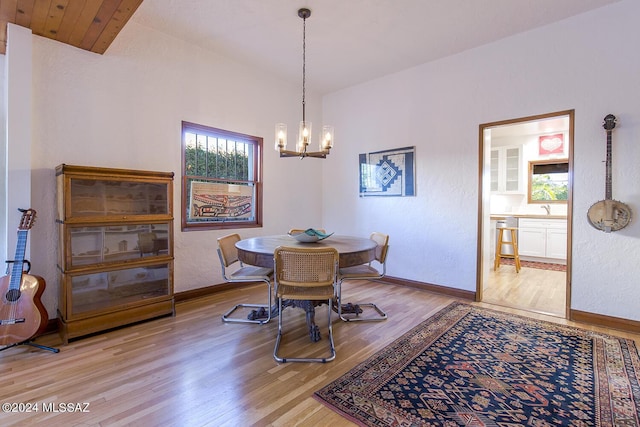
point(52, 327)
point(443, 290)
point(208, 290)
point(618, 323)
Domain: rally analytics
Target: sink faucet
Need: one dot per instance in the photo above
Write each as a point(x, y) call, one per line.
point(547, 208)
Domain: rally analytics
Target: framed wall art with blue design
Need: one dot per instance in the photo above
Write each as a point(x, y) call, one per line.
point(388, 173)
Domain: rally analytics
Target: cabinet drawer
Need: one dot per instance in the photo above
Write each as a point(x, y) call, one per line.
point(542, 223)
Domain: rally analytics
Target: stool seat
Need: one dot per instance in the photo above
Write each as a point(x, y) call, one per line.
point(513, 243)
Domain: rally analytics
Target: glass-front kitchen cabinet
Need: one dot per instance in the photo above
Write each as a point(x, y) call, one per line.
point(115, 250)
point(506, 170)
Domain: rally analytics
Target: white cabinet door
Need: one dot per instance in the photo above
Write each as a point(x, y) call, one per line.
point(531, 242)
point(495, 170)
point(512, 169)
point(556, 243)
point(506, 170)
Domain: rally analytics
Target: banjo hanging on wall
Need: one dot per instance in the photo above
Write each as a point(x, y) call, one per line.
point(609, 215)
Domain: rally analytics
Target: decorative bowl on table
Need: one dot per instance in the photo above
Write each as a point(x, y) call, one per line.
point(310, 235)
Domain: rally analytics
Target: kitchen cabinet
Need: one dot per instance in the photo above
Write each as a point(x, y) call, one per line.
point(506, 170)
point(542, 238)
point(115, 247)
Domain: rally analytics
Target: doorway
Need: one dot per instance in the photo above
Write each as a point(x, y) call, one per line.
point(518, 182)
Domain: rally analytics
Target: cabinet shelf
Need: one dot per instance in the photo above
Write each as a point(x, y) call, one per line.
point(115, 251)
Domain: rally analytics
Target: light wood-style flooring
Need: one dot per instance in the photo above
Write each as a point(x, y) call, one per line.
point(532, 289)
point(194, 370)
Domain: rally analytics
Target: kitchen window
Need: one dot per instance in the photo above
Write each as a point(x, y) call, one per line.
point(221, 178)
point(548, 181)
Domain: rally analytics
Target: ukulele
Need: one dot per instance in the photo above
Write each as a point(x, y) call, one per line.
point(609, 215)
point(22, 314)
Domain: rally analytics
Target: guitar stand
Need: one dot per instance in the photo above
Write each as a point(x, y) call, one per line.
point(32, 344)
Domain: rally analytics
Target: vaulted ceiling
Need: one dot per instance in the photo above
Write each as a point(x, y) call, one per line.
point(348, 41)
point(87, 24)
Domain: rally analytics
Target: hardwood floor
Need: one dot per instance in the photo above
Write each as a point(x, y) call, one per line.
point(195, 370)
point(532, 289)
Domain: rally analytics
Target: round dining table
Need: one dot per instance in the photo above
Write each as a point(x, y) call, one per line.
point(352, 251)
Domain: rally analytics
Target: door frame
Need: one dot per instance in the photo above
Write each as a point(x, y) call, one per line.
point(484, 194)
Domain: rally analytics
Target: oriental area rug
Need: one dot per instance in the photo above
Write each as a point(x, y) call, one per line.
point(470, 366)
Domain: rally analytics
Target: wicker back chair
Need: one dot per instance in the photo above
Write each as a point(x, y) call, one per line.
point(228, 254)
point(351, 312)
point(308, 274)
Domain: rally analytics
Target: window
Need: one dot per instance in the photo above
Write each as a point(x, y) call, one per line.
point(221, 178)
point(548, 181)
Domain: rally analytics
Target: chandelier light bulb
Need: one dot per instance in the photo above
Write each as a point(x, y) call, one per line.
point(326, 138)
point(304, 134)
point(281, 136)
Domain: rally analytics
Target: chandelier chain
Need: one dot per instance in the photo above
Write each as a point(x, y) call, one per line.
point(304, 62)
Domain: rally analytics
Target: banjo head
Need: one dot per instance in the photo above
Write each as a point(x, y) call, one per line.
point(609, 215)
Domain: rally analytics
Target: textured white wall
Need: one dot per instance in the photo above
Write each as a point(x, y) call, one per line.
point(124, 109)
point(3, 148)
point(17, 104)
point(589, 63)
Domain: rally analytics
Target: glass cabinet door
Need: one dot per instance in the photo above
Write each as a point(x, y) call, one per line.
point(506, 170)
point(495, 170)
point(91, 197)
point(93, 245)
point(99, 291)
point(512, 167)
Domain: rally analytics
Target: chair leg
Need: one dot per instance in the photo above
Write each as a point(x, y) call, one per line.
point(282, 359)
point(496, 263)
point(256, 316)
point(516, 255)
point(356, 308)
point(279, 336)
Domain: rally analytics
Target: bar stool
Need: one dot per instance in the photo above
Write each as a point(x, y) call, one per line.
point(513, 243)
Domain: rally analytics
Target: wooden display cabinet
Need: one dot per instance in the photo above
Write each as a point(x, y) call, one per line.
point(115, 250)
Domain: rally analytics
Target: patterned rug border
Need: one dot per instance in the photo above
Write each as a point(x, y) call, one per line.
point(402, 351)
point(536, 264)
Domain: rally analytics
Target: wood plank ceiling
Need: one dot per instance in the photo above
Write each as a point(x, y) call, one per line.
point(87, 24)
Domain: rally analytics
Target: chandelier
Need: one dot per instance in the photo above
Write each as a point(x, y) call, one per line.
point(304, 132)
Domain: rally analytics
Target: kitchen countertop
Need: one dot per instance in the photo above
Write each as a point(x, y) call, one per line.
point(533, 216)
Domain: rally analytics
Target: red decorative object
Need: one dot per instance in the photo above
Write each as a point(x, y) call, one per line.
point(551, 144)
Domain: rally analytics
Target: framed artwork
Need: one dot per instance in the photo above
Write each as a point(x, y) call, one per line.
point(388, 173)
point(551, 144)
point(217, 201)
